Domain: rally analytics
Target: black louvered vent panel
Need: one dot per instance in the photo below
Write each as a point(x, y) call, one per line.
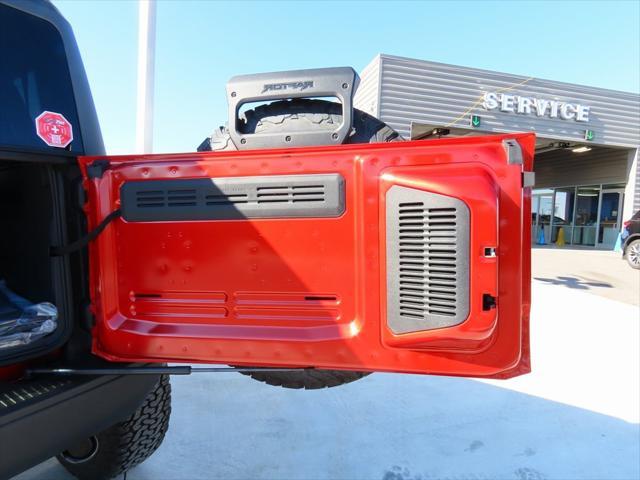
point(230, 199)
point(278, 196)
point(290, 194)
point(181, 198)
point(150, 198)
point(427, 260)
point(166, 198)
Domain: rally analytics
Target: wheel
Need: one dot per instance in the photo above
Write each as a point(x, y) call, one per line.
point(304, 115)
point(126, 444)
point(632, 254)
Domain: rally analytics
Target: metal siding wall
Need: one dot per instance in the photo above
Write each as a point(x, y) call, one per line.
point(366, 97)
point(636, 190)
point(435, 93)
point(560, 168)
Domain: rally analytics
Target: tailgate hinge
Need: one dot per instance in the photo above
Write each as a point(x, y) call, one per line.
point(97, 168)
point(513, 150)
point(528, 179)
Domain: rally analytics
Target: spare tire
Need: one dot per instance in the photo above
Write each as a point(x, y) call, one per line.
point(295, 116)
point(302, 115)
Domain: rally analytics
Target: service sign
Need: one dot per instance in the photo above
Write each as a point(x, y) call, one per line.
point(540, 107)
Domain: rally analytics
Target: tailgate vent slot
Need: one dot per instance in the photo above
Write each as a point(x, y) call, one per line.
point(164, 198)
point(427, 260)
point(290, 193)
point(277, 196)
point(230, 199)
point(181, 197)
point(150, 198)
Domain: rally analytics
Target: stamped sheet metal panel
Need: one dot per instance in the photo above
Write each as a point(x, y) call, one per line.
point(309, 291)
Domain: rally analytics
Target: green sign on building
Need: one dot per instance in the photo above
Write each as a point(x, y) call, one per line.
point(475, 121)
point(589, 135)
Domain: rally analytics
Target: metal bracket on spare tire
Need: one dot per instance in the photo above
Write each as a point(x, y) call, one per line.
point(340, 83)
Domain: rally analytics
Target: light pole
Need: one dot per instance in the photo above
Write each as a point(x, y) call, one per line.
point(146, 74)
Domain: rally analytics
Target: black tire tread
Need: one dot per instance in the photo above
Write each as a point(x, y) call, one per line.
point(130, 442)
point(308, 379)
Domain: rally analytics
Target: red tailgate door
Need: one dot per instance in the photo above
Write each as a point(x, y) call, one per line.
point(402, 257)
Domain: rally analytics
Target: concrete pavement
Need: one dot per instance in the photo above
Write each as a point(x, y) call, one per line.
point(575, 417)
point(600, 272)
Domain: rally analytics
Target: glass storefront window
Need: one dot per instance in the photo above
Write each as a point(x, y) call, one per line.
point(610, 216)
point(535, 203)
point(545, 209)
point(542, 209)
point(564, 202)
point(541, 213)
point(587, 206)
point(586, 216)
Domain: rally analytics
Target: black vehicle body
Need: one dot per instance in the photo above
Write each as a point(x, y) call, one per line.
point(39, 418)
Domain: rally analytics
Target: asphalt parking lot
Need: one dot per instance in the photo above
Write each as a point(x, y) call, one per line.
point(577, 416)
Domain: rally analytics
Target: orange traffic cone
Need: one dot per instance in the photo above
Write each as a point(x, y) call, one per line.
point(560, 240)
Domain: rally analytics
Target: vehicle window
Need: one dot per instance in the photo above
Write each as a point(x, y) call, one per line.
point(34, 77)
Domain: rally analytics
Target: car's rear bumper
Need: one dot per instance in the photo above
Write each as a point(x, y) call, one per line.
point(39, 419)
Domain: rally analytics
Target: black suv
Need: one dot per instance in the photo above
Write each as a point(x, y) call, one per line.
point(631, 241)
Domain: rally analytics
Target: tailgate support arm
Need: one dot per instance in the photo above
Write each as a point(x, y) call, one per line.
point(160, 370)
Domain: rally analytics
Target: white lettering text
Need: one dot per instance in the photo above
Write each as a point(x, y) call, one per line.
point(490, 100)
point(542, 106)
point(524, 105)
point(582, 113)
point(567, 111)
point(507, 103)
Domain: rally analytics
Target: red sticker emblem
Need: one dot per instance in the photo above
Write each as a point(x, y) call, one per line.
point(54, 129)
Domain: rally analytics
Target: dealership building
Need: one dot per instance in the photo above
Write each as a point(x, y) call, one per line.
point(586, 164)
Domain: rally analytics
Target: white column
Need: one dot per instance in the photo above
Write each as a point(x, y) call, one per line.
point(629, 191)
point(146, 67)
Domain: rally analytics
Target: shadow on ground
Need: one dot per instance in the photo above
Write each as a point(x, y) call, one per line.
point(390, 427)
point(574, 282)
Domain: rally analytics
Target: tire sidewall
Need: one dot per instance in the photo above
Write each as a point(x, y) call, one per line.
point(633, 247)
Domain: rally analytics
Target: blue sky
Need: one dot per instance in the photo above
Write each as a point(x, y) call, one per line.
point(201, 44)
